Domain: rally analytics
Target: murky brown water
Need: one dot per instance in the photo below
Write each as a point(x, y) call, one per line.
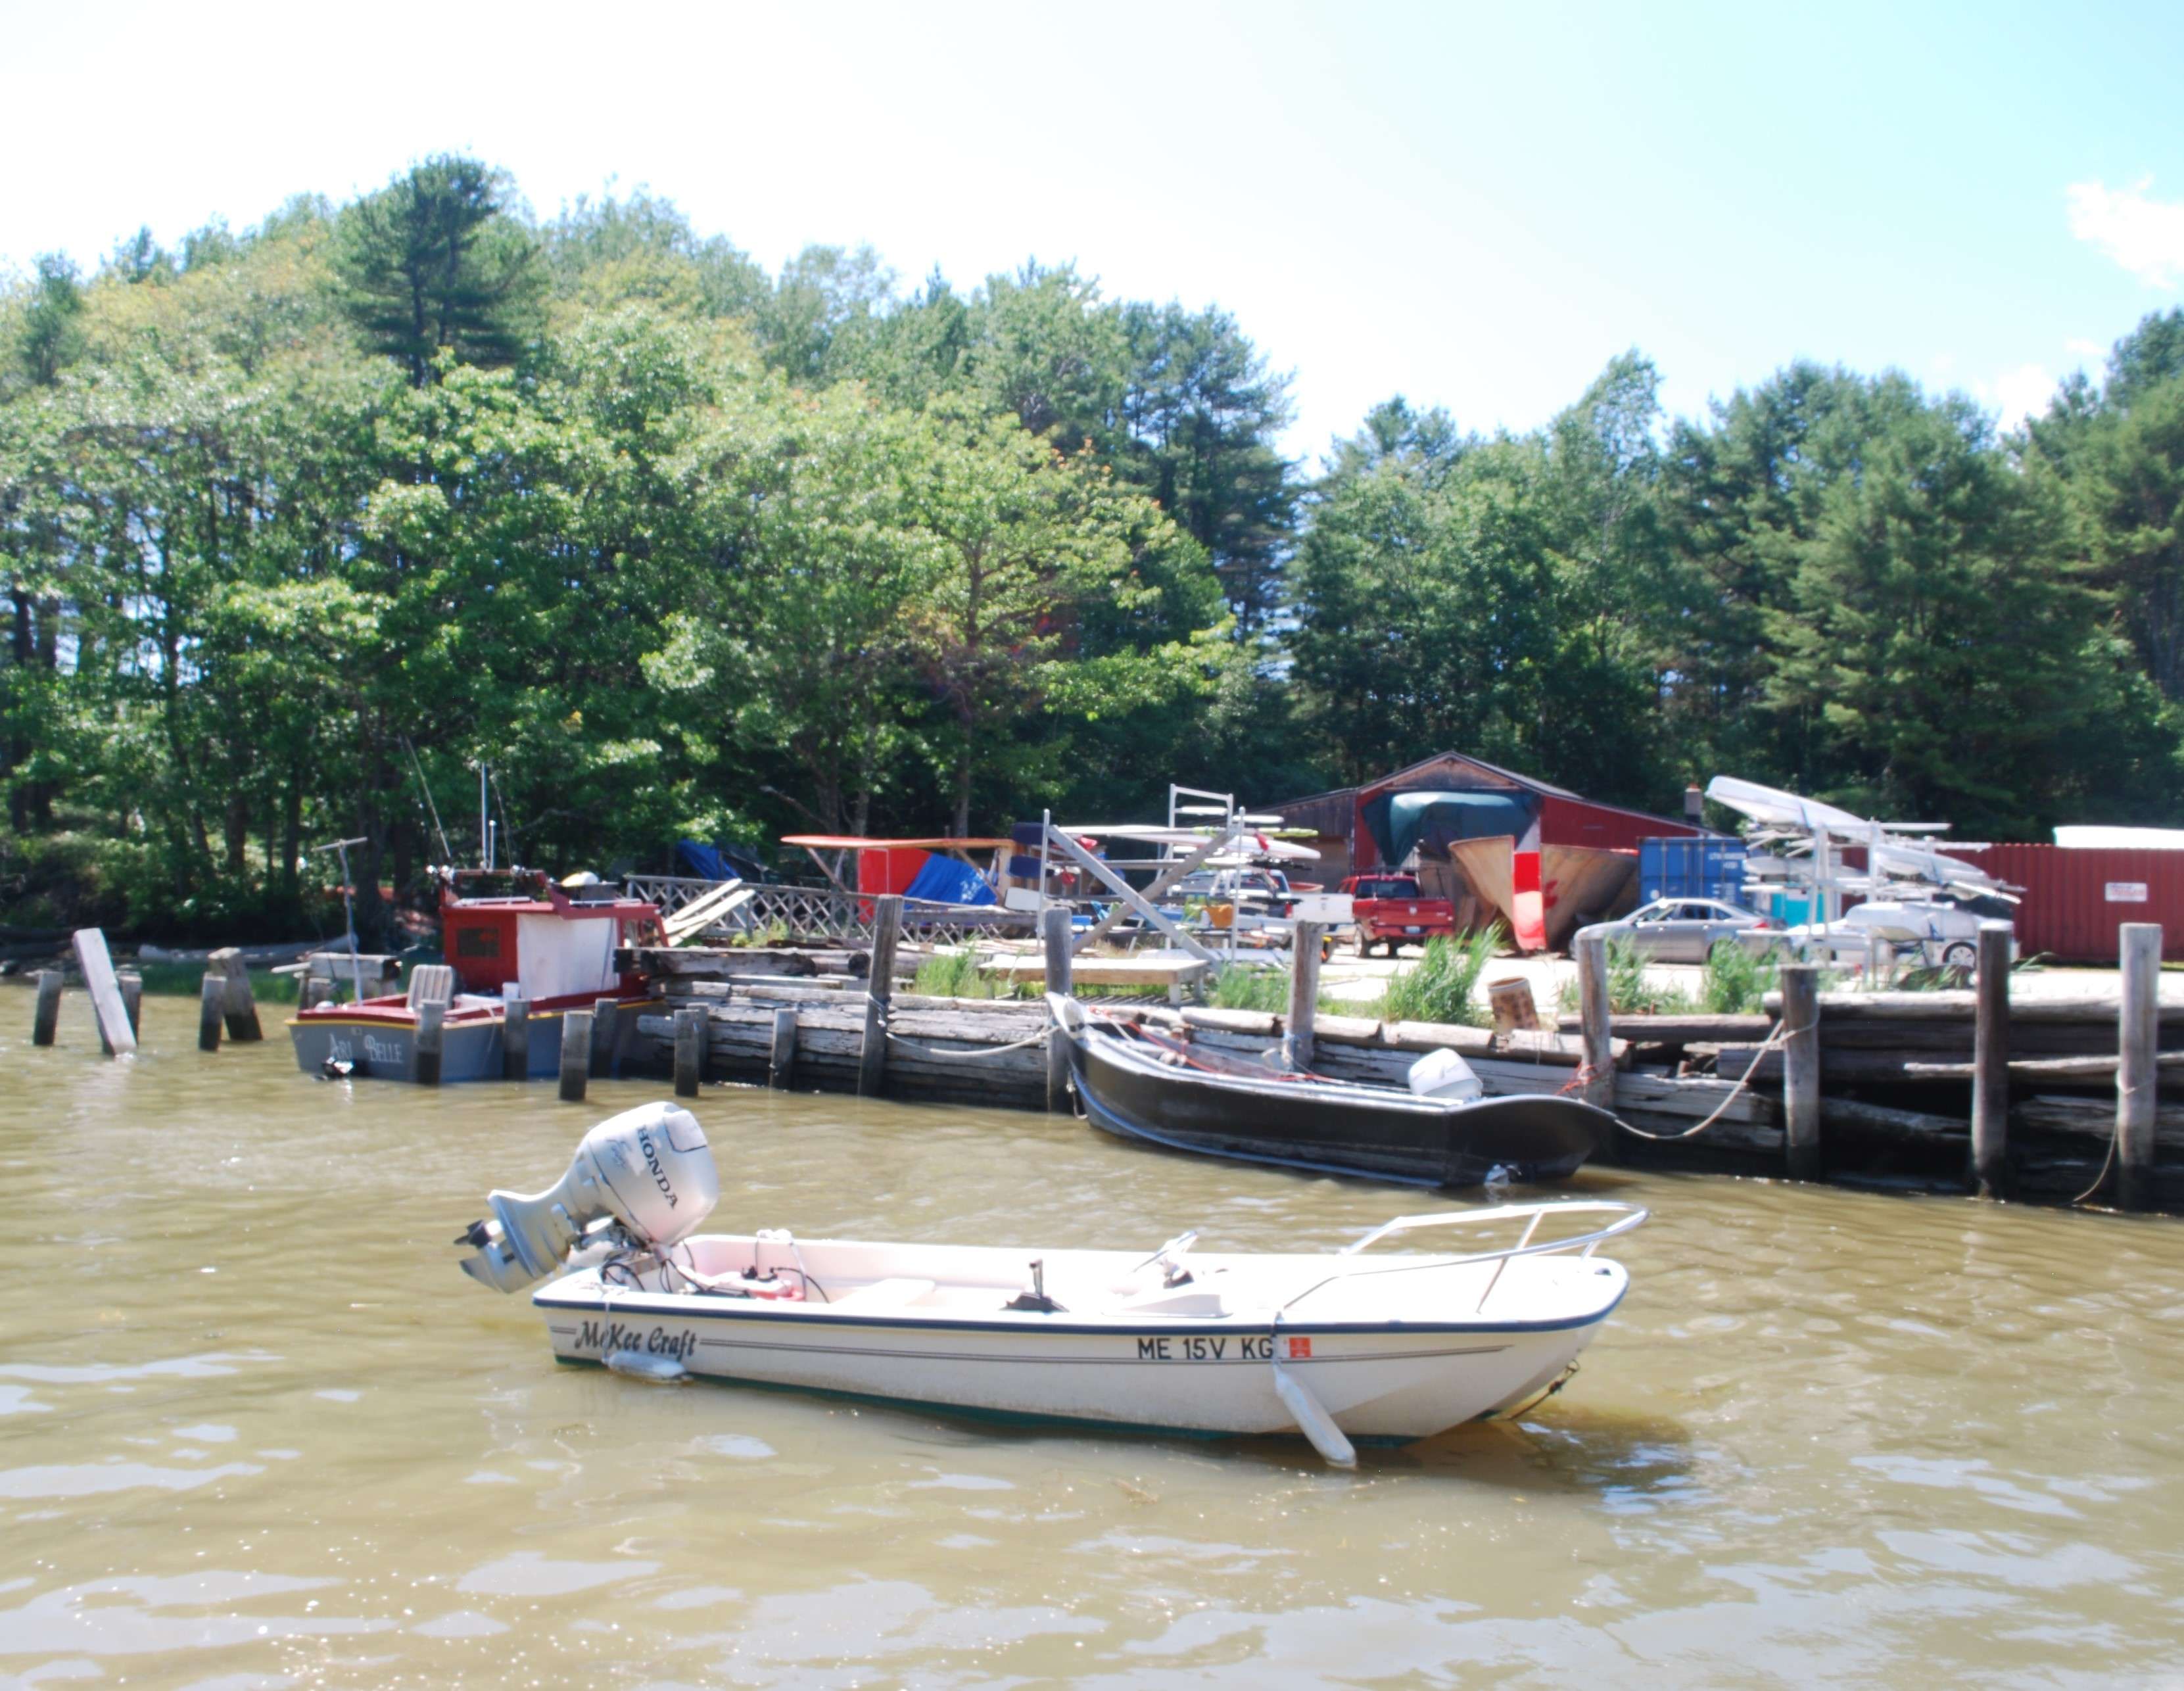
point(255, 1430)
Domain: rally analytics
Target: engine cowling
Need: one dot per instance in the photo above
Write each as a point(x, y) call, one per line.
point(650, 1169)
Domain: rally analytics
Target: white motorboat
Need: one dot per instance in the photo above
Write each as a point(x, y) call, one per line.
point(1339, 1347)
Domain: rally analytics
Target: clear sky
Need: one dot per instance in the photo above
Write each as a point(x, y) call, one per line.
point(1475, 206)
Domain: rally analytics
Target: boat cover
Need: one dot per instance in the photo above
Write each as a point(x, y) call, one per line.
point(557, 958)
point(1399, 823)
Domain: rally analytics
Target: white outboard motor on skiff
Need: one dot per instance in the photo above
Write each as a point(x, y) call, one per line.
point(650, 1169)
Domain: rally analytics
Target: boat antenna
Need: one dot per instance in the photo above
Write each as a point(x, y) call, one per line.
point(446, 855)
point(507, 821)
point(349, 911)
point(485, 823)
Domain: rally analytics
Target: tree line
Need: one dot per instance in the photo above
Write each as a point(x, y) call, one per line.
point(299, 525)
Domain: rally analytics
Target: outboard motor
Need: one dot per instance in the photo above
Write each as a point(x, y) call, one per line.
point(648, 1170)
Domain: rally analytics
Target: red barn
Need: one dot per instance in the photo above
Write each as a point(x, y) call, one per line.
point(1502, 845)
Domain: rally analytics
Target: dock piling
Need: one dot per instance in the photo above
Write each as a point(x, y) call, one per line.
point(212, 1003)
point(576, 1054)
point(1054, 933)
point(432, 1041)
point(1800, 1069)
point(115, 1035)
point(607, 1024)
point(879, 988)
point(1598, 1058)
point(515, 1033)
point(2138, 1038)
point(46, 1018)
point(1990, 1170)
point(132, 1000)
point(781, 1058)
point(1304, 996)
point(689, 1050)
point(242, 1024)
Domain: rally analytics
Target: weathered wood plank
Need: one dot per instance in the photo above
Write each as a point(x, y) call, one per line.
point(97, 969)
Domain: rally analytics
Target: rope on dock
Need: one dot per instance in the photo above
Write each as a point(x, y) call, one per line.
point(1775, 1041)
point(927, 1051)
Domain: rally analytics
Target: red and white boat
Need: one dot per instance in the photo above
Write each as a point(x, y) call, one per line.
point(501, 932)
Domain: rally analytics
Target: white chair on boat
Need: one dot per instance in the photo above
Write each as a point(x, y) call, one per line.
point(432, 982)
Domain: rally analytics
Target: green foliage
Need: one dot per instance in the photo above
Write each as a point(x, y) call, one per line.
point(1443, 985)
point(952, 975)
point(1245, 988)
point(1737, 978)
point(1629, 991)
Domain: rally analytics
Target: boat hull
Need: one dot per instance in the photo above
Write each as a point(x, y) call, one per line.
point(1378, 1381)
point(1334, 1129)
point(382, 1045)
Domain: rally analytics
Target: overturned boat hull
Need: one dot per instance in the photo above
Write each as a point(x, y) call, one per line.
point(1141, 1090)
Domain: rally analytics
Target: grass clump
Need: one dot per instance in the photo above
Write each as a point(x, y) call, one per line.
point(1443, 985)
point(1737, 979)
point(1252, 989)
point(952, 975)
point(1629, 993)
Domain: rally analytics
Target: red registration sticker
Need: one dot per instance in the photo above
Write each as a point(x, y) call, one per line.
point(1300, 1347)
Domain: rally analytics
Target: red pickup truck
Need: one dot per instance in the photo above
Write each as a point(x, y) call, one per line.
point(1388, 907)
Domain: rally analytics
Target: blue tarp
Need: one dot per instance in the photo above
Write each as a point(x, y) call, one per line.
point(1402, 821)
point(717, 863)
point(949, 880)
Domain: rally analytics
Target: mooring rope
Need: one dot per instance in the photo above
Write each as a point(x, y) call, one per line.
point(927, 1051)
point(1775, 1041)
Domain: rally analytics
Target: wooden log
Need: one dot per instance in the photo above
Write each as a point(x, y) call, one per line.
point(91, 957)
point(1800, 1069)
point(1693, 1030)
point(1053, 934)
point(515, 1033)
point(1916, 1126)
point(212, 1005)
point(689, 1051)
point(432, 1041)
point(2057, 1069)
point(242, 1024)
point(2137, 1036)
point(46, 1018)
point(1956, 1006)
point(1598, 1069)
point(1990, 1159)
point(2094, 1119)
point(576, 1054)
point(1304, 995)
point(132, 1000)
point(780, 1056)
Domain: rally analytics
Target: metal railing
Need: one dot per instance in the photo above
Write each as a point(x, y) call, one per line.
point(807, 915)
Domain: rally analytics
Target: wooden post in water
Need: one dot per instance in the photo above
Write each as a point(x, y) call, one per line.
point(242, 1008)
point(212, 1005)
point(781, 1060)
point(97, 967)
point(1304, 996)
point(689, 1050)
point(2138, 1036)
point(576, 1054)
point(47, 1017)
point(1800, 1069)
point(606, 1029)
point(1598, 1055)
point(1989, 1169)
point(1054, 939)
point(132, 1000)
point(515, 1033)
point(432, 1041)
point(879, 988)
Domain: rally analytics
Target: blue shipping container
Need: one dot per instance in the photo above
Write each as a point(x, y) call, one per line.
point(1691, 867)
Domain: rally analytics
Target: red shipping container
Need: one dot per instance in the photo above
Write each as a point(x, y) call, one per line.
point(2074, 901)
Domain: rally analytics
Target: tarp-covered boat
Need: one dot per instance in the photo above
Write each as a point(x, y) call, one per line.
point(1143, 1086)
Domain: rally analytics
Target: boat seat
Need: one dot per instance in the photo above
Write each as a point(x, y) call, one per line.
point(885, 1293)
point(432, 982)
